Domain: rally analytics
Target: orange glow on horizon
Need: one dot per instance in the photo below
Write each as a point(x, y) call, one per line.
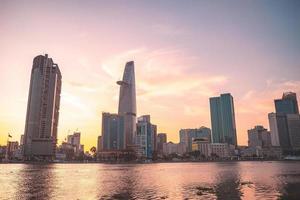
point(180, 61)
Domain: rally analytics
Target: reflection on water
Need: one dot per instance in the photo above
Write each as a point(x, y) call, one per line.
point(35, 181)
point(228, 180)
point(228, 185)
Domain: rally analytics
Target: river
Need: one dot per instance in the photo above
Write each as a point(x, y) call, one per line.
point(205, 180)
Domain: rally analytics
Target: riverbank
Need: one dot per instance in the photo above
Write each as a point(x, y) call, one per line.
point(147, 162)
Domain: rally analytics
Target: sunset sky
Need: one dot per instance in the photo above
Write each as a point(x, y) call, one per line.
point(184, 53)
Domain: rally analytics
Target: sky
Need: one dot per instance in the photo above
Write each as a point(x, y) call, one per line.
point(184, 53)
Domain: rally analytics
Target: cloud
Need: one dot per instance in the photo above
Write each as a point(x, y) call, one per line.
point(182, 86)
point(163, 72)
point(248, 95)
point(170, 89)
point(166, 84)
point(113, 65)
point(253, 106)
point(81, 86)
point(193, 111)
point(261, 101)
point(75, 101)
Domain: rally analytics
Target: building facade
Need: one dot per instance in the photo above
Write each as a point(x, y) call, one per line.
point(285, 123)
point(293, 123)
point(288, 104)
point(40, 137)
point(187, 135)
point(173, 148)
point(113, 132)
point(223, 119)
point(221, 150)
point(99, 144)
point(146, 136)
point(259, 137)
point(74, 140)
point(279, 130)
point(11, 149)
point(160, 140)
point(127, 103)
point(203, 146)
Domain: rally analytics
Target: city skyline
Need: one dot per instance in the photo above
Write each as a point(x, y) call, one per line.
point(171, 77)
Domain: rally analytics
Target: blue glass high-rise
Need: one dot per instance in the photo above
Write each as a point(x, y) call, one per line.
point(113, 132)
point(223, 119)
point(288, 104)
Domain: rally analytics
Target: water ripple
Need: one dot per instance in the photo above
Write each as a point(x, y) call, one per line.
point(236, 180)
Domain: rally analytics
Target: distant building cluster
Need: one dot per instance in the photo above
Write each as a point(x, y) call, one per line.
point(284, 135)
point(285, 123)
point(71, 149)
point(126, 137)
point(188, 135)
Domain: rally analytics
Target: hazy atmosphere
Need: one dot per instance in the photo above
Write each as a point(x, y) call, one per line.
point(183, 54)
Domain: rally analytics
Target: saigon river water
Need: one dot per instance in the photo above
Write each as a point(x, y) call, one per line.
point(210, 180)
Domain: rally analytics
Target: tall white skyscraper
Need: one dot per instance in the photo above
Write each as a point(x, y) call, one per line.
point(42, 109)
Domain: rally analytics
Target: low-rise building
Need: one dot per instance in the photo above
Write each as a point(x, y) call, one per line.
point(74, 140)
point(202, 145)
point(207, 149)
point(259, 137)
point(187, 135)
point(2, 152)
point(221, 150)
point(66, 151)
point(266, 152)
point(173, 148)
point(12, 149)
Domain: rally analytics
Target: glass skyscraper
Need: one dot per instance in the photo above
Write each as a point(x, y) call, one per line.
point(113, 132)
point(288, 104)
point(285, 123)
point(223, 119)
